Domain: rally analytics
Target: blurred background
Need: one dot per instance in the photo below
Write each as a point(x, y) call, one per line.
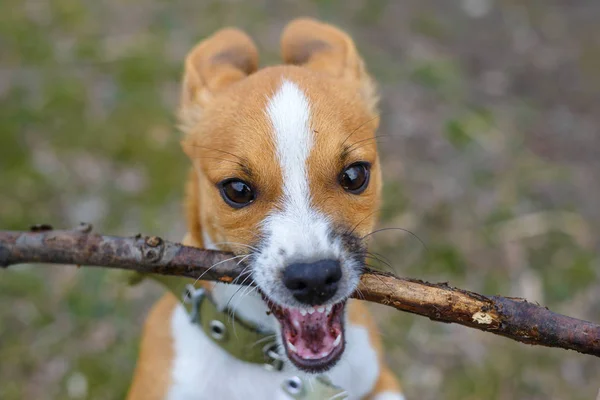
point(491, 116)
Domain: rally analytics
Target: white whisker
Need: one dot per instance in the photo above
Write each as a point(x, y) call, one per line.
point(214, 265)
point(265, 339)
point(238, 244)
point(231, 311)
point(247, 291)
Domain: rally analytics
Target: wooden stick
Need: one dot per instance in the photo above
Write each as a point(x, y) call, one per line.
point(513, 318)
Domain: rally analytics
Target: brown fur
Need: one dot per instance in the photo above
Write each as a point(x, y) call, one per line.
point(152, 376)
point(323, 47)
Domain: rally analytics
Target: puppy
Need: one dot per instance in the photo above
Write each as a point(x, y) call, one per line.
point(286, 176)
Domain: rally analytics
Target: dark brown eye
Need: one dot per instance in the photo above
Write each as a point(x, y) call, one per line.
point(355, 178)
point(236, 193)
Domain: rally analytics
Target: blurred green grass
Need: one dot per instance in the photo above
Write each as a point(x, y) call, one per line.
point(485, 161)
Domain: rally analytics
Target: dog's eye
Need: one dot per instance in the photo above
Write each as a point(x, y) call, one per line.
point(236, 193)
point(355, 178)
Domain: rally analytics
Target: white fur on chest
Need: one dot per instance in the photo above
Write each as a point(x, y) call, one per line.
point(202, 370)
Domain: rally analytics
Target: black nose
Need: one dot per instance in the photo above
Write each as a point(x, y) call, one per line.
point(313, 283)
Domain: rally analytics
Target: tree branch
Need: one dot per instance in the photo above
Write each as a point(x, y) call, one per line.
point(513, 318)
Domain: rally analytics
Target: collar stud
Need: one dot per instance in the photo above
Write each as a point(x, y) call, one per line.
point(218, 331)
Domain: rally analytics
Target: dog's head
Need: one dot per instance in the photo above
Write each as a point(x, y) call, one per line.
point(286, 171)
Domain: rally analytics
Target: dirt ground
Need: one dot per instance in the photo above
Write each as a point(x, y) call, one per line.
point(491, 154)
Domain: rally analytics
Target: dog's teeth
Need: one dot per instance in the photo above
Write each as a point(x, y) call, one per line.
point(311, 311)
point(337, 340)
point(292, 347)
point(323, 354)
point(302, 312)
point(321, 309)
point(328, 308)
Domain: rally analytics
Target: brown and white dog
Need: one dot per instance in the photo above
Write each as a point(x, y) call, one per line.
point(286, 175)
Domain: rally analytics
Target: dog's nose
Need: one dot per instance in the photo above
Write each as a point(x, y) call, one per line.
point(313, 283)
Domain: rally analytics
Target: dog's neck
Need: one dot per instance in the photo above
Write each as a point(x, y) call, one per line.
point(242, 301)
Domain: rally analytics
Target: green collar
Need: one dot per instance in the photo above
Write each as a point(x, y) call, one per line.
point(241, 339)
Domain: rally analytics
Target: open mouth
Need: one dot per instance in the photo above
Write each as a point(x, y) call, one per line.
point(313, 337)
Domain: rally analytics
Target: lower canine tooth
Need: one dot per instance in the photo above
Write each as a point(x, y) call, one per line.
point(328, 308)
point(292, 347)
point(337, 340)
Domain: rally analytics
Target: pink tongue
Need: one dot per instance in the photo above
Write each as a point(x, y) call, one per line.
point(315, 336)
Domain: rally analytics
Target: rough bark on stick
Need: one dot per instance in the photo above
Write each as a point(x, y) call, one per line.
point(145, 254)
point(513, 318)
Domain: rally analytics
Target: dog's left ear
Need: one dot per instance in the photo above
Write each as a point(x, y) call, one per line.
point(215, 63)
point(325, 48)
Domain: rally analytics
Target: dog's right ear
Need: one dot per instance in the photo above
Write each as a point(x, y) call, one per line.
point(325, 48)
point(218, 61)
